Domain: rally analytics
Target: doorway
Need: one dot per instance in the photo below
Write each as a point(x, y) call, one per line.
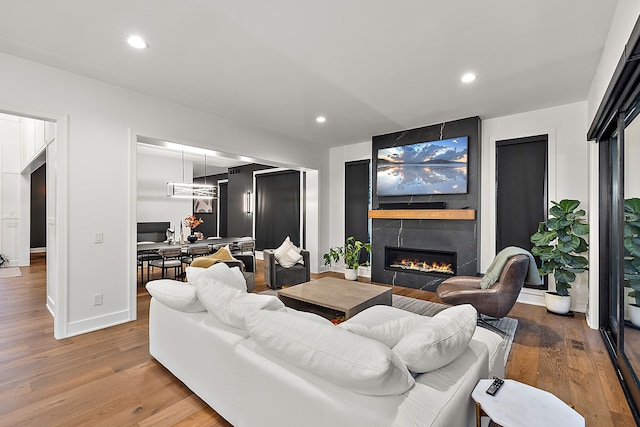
point(42, 138)
point(38, 224)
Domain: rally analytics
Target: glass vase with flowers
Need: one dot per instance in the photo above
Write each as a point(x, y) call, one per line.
point(191, 222)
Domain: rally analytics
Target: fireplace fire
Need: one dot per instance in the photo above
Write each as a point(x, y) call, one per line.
point(420, 261)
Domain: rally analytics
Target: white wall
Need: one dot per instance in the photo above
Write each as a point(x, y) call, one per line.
point(338, 156)
point(23, 141)
point(101, 170)
point(566, 128)
point(153, 205)
point(10, 187)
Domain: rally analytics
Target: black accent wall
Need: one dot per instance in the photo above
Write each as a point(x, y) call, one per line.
point(210, 225)
point(240, 182)
point(460, 236)
point(39, 207)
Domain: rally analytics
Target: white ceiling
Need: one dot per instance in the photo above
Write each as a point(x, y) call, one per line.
point(370, 66)
point(204, 162)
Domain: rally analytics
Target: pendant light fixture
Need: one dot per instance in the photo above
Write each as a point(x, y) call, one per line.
point(192, 191)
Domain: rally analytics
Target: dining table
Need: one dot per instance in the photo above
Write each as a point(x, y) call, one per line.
point(147, 251)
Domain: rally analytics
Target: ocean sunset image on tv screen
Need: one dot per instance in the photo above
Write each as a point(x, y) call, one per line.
point(424, 168)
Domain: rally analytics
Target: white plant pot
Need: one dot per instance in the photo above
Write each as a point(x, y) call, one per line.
point(351, 274)
point(557, 303)
point(634, 315)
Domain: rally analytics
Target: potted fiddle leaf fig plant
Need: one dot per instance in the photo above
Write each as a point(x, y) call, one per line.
point(632, 255)
point(350, 254)
point(559, 242)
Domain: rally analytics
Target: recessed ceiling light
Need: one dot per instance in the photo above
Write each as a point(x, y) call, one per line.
point(321, 119)
point(137, 42)
point(468, 78)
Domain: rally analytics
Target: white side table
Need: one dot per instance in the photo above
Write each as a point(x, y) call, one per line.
point(517, 404)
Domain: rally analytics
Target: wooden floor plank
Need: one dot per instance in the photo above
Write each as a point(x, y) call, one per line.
point(108, 378)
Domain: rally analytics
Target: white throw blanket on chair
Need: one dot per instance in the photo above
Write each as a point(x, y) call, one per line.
point(495, 269)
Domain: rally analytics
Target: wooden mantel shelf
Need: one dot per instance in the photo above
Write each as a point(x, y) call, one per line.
point(455, 214)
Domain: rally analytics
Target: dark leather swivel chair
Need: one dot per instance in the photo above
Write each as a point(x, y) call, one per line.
point(498, 300)
point(277, 276)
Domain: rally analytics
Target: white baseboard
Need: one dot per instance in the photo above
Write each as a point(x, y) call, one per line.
point(51, 306)
point(531, 296)
point(536, 297)
point(38, 250)
point(362, 271)
point(96, 323)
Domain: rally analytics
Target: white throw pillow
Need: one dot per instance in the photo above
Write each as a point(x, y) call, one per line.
point(177, 295)
point(388, 333)
point(218, 271)
point(439, 341)
point(287, 254)
point(231, 305)
point(345, 359)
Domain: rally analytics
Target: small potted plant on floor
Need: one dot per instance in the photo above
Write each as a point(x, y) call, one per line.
point(559, 243)
point(632, 256)
point(350, 253)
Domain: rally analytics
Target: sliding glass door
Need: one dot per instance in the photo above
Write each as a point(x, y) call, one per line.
point(616, 128)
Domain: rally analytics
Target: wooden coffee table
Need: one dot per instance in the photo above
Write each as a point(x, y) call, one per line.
point(327, 295)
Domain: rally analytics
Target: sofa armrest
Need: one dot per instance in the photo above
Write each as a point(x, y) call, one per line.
point(236, 263)
point(248, 260)
point(269, 267)
point(307, 264)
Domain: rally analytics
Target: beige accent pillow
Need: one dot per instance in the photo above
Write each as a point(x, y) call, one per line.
point(287, 254)
point(223, 254)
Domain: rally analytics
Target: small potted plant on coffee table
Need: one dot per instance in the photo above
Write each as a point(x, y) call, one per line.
point(559, 243)
point(350, 253)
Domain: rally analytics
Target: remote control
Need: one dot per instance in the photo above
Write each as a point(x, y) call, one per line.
point(495, 386)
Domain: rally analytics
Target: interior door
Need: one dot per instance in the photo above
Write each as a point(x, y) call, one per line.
point(278, 208)
point(222, 209)
point(521, 190)
point(356, 202)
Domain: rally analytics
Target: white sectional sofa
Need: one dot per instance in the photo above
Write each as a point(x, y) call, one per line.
point(244, 374)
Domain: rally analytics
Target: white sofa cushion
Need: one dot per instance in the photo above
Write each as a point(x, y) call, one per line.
point(341, 357)
point(309, 316)
point(177, 295)
point(383, 323)
point(218, 271)
point(231, 305)
point(439, 341)
point(287, 254)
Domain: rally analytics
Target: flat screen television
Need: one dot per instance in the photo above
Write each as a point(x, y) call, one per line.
point(423, 168)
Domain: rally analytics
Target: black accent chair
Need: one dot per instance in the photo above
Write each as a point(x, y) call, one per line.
point(277, 276)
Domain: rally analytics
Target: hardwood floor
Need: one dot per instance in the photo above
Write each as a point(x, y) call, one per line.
point(108, 377)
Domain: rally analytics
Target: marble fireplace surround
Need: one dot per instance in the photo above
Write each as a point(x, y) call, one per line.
point(454, 228)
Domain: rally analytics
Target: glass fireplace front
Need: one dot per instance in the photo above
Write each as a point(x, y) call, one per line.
point(420, 261)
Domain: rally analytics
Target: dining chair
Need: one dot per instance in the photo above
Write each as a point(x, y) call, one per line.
point(194, 252)
point(169, 258)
